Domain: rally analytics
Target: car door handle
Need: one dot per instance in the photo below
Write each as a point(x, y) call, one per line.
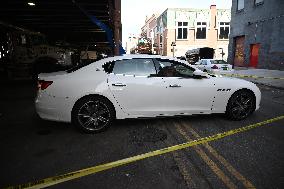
point(175, 85)
point(118, 85)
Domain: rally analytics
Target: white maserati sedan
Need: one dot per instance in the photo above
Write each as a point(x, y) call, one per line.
point(135, 86)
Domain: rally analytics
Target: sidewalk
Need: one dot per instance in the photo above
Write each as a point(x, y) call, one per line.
point(276, 83)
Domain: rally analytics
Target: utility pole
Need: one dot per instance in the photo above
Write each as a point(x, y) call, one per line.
point(152, 41)
point(173, 45)
point(222, 53)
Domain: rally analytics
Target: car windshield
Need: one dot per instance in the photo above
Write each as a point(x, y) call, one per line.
point(218, 62)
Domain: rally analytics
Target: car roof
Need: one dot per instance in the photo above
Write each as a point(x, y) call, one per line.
point(131, 56)
point(125, 56)
point(97, 64)
point(212, 59)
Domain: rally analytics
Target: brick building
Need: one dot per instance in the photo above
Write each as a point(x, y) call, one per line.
point(191, 29)
point(150, 24)
point(256, 36)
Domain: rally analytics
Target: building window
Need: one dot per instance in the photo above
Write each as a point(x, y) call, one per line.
point(224, 29)
point(258, 2)
point(161, 38)
point(182, 30)
point(240, 5)
point(201, 30)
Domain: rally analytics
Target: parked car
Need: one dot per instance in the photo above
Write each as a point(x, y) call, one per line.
point(181, 58)
point(214, 66)
point(135, 86)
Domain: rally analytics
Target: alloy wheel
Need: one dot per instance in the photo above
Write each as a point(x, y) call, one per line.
point(94, 115)
point(241, 105)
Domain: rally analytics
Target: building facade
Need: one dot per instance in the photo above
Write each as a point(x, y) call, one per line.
point(192, 28)
point(150, 24)
point(147, 31)
point(257, 34)
point(131, 43)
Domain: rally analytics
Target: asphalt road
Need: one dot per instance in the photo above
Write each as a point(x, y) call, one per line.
point(33, 149)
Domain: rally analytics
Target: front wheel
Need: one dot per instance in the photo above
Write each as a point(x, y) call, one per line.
point(93, 114)
point(240, 105)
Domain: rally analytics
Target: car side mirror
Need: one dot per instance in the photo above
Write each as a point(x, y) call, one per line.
point(199, 74)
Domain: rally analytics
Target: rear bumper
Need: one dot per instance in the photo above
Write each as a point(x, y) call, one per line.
point(46, 113)
point(52, 108)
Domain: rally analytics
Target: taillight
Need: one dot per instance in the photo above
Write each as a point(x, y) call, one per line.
point(41, 84)
point(214, 67)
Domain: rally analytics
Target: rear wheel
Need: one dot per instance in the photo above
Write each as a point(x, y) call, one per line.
point(93, 114)
point(240, 105)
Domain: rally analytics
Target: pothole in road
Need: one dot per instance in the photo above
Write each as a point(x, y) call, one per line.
point(147, 134)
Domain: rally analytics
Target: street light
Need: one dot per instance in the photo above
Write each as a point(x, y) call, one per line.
point(31, 3)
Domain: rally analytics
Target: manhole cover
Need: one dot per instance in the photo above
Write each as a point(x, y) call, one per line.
point(147, 134)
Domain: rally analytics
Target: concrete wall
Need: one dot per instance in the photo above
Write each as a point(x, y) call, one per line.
point(262, 24)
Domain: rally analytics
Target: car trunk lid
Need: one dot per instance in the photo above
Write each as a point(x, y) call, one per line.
point(43, 76)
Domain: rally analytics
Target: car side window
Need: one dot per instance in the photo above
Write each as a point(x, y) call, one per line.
point(136, 67)
point(168, 68)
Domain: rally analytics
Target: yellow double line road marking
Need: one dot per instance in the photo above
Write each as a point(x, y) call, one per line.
point(213, 166)
point(84, 172)
point(228, 166)
point(210, 163)
point(251, 76)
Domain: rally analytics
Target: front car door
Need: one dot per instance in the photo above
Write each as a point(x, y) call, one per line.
point(185, 93)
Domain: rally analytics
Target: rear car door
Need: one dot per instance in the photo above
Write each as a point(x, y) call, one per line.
point(135, 89)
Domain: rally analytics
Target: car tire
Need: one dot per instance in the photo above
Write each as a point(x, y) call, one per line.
point(240, 105)
point(93, 114)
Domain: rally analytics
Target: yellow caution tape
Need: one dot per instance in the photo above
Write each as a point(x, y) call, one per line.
point(84, 172)
point(251, 76)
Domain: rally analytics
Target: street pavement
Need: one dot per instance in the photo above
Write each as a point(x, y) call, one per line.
point(276, 83)
point(33, 149)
